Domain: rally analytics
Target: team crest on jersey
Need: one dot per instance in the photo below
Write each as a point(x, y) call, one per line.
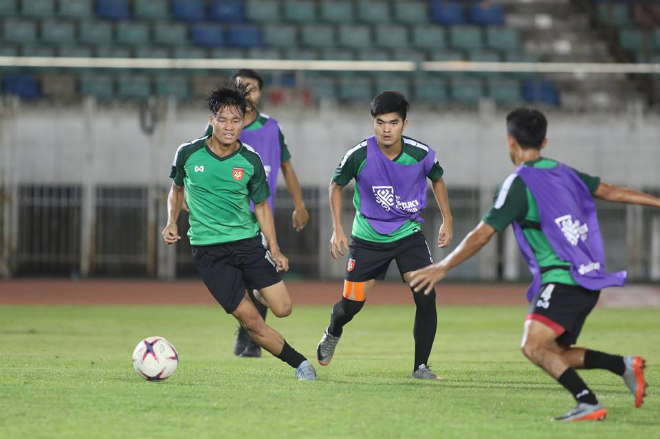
point(237, 173)
point(572, 229)
point(384, 196)
point(351, 264)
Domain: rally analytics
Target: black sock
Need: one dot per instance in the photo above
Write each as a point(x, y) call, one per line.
point(263, 309)
point(578, 388)
point(601, 360)
point(342, 313)
point(426, 322)
point(290, 356)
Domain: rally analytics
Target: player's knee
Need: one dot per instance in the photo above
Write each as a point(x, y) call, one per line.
point(282, 309)
point(532, 350)
point(424, 300)
point(253, 323)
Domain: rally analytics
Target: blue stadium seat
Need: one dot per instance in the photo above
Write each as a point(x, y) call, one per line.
point(486, 14)
point(23, 85)
point(502, 38)
point(447, 13)
point(244, 35)
point(541, 91)
point(227, 11)
point(113, 9)
point(133, 33)
point(190, 11)
point(207, 35)
point(465, 37)
point(321, 86)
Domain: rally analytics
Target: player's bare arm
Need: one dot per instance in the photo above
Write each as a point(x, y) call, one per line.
point(267, 226)
point(300, 216)
point(446, 232)
point(338, 241)
point(174, 202)
point(625, 195)
point(425, 278)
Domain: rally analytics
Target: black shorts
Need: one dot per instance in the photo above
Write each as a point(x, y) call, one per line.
point(369, 260)
point(563, 308)
point(227, 268)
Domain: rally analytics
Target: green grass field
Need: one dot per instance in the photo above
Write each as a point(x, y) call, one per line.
point(65, 372)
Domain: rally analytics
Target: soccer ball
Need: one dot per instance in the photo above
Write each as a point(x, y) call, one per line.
point(155, 359)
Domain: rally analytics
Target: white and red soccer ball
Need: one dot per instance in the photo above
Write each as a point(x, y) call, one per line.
point(155, 359)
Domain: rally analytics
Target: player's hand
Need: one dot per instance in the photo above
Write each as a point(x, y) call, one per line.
point(424, 278)
point(300, 218)
point(338, 240)
point(445, 234)
point(171, 233)
point(281, 261)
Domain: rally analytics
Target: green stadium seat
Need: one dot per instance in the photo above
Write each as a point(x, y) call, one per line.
point(413, 13)
point(373, 11)
point(391, 36)
point(8, 8)
point(177, 86)
point(37, 50)
point(171, 34)
point(80, 9)
point(227, 53)
point(317, 35)
point(465, 91)
point(631, 39)
point(263, 54)
point(615, 14)
point(355, 88)
point(428, 37)
point(19, 31)
point(189, 52)
point(465, 37)
point(133, 33)
point(262, 11)
point(154, 10)
point(37, 8)
point(409, 55)
point(74, 51)
point(151, 52)
point(279, 35)
point(7, 50)
point(113, 52)
point(300, 11)
point(655, 40)
point(373, 55)
point(431, 90)
point(134, 87)
point(321, 87)
point(505, 92)
point(337, 54)
point(355, 36)
point(484, 56)
point(301, 53)
point(504, 38)
point(55, 32)
point(393, 82)
point(99, 86)
point(336, 12)
point(97, 33)
point(445, 55)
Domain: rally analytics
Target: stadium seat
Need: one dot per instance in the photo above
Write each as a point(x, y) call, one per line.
point(134, 87)
point(262, 11)
point(336, 12)
point(153, 10)
point(299, 53)
point(300, 11)
point(337, 54)
point(465, 91)
point(428, 37)
point(207, 35)
point(113, 9)
point(505, 92)
point(99, 86)
point(23, 85)
point(80, 9)
point(631, 39)
point(184, 52)
point(431, 90)
point(263, 53)
point(412, 13)
point(615, 14)
point(7, 50)
point(446, 13)
point(408, 55)
point(59, 86)
point(393, 82)
point(113, 52)
point(98, 33)
point(355, 36)
point(171, 34)
point(374, 12)
point(56, 32)
point(465, 37)
point(131, 33)
point(355, 88)
point(19, 31)
point(373, 54)
point(227, 11)
point(391, 36)
point(244, 35)
point(502, 38)
point(486, 14)
point(190, 11)
point(483, 56)
point(177, 86)
point(279, 35)
point(227, 53)
point(8, 8)
point(540, 91)
point(37, 8)
point(445, 55)
point(317, 35)
point(31, 49)
point(321, 86)
point(74, 51)
point(152, 52)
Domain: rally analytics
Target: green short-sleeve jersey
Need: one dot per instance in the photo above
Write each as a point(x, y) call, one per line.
point(219, 190)
point(256, 124)
point(515, 202)
point(350, 168)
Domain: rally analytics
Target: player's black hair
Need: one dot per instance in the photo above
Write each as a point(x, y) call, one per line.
point(248, 73)
point(528, 126)
point(233, 96)
point(389, 102)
